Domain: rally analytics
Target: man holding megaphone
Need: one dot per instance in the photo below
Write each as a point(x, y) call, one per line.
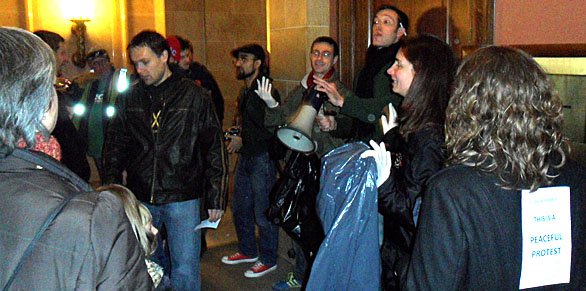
point(306, 111)
point(311, 123)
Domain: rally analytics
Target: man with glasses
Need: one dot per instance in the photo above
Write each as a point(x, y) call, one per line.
point(323, 57)
point(96, 104)
point(256, 172)
point(372, 91)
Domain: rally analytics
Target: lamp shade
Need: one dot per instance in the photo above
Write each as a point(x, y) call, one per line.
point(77, 9)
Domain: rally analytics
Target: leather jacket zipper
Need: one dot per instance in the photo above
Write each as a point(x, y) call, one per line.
point(154, 169)
point(155, 150)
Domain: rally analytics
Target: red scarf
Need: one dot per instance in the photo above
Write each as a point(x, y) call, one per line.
point(50, 147)
point(326, 77)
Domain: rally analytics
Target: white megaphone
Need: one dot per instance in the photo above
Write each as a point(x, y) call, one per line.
point(297, 134)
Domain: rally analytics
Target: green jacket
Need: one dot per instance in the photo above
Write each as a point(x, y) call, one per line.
point(285, 112)
point(370, 110)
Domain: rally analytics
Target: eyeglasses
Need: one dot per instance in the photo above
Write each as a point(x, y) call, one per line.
point(243, 59)
point(324, 54)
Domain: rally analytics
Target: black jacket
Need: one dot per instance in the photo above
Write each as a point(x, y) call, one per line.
point(202, 77)
point(200, 74)
point(184, 159)
point(73, 145)
point(256, 136)
point(470, 232)
point(89, 246)
point(422, 155)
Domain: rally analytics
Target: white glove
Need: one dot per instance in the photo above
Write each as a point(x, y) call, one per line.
point(391, 122)
point(264, 92)
point(382, 159)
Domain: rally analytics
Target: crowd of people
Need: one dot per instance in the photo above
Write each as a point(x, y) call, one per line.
point(475, 187)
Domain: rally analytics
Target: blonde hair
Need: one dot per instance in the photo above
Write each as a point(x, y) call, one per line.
point(139, 216)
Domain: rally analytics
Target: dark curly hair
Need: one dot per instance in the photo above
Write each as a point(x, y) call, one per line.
point(504, 118)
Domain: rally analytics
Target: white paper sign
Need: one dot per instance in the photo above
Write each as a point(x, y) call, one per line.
point(208, 224)
point(547, 237)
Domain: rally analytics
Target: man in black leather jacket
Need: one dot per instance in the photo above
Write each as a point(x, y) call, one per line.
point(168, 139)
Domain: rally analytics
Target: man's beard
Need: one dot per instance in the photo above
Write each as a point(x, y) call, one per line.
point(242, 75)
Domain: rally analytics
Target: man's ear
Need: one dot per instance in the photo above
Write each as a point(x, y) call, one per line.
point(335, 60)
point(257, 64)
point(165, 56)
point(401, 32)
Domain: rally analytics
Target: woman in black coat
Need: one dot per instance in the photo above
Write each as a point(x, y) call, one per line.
point(507, 213)
point(423, 74)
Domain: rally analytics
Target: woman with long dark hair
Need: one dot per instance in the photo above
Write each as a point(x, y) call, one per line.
point(423, 73)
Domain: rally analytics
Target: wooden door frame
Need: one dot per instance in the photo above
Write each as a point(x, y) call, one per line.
point(350, 26)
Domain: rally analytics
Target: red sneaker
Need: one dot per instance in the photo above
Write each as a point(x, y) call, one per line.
point(259, 269)
point(238, 258)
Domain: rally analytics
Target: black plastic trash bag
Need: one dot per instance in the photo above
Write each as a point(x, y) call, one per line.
point(292, 200)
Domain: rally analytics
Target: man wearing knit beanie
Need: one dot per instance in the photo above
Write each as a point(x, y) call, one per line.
point(184, 64)
point(175, 49)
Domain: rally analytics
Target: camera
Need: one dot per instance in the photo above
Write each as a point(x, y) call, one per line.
point(233, 131)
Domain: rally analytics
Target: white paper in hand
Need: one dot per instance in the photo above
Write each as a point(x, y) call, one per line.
point(208, 224)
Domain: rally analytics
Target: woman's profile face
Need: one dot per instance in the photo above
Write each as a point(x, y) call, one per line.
point(402, 74)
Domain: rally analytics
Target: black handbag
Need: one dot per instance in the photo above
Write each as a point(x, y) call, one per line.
point(277, 150)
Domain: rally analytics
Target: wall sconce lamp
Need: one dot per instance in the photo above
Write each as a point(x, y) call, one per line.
point(79, 12)
point(79, 29)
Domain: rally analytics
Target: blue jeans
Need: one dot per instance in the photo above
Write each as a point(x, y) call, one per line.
point(179, 219)
point(255, 176)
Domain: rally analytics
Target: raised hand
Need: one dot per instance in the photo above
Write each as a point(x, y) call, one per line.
point(392, 120)
point(264, 92)
point(330, 89)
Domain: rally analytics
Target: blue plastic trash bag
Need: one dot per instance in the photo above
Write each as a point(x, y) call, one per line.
point(348, 258)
